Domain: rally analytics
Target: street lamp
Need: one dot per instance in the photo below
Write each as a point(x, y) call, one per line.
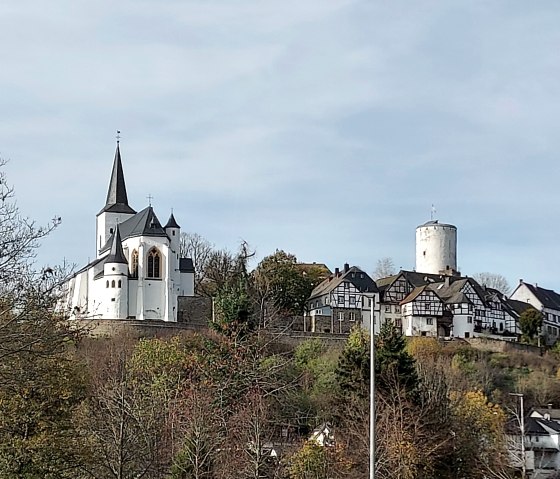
point(372, 394)
point(522, 427)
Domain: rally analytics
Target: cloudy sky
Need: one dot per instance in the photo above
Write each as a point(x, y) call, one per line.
point(326, 128)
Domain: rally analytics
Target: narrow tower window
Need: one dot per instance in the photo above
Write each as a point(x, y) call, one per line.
point(113, 284)
point(154, 264)
point(107, 283)
point(134, 264)
point(120, 284)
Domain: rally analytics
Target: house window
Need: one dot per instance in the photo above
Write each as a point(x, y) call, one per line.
point(111, 230)
point(469, 319)
point(134, 264)
point(340, 316)
point(501, 326)
point(429, 321)
point(352, 300)
point(154, 260)
point(388, 309)
point(340, 299)
point(352, 316)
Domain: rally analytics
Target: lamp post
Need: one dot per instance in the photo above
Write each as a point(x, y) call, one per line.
point(372, 393)
point(522, 427)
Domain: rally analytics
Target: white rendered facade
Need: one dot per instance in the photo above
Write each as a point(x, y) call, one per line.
point(138, 272)
point(436, 248)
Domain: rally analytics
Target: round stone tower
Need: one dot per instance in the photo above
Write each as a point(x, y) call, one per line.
point(436, 248)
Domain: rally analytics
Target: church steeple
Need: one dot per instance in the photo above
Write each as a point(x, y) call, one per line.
point(117, 200)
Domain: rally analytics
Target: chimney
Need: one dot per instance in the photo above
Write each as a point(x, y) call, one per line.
point(346, 267)
point(336, 272)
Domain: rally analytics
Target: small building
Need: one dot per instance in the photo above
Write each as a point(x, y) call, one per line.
point(344, 299)
point(547, 301)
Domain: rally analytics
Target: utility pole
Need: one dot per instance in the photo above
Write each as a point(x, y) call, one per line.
point(522, 428)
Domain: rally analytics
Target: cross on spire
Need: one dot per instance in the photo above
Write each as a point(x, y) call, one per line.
point(150, 198)
point(118, 137)
point(433, 212)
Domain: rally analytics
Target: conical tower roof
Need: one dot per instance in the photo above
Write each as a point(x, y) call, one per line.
point(117, 199)
point(116, 255)
point(171, 222)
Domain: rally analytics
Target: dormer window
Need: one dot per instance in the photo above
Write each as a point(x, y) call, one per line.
point(154, 261)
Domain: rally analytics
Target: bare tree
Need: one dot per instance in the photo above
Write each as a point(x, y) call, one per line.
point(200, 250)
point(493, 280)
point(385, 267)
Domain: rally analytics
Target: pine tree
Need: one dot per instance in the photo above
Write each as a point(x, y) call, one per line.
point(353, 368)
point(394, 366)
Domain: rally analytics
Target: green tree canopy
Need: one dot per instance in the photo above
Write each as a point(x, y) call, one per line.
point(530, 323)
point(394, 366)
point(279, 278)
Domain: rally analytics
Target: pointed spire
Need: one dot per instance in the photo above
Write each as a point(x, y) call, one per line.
point(171, 223)
point(117, 200)
point(116, 255)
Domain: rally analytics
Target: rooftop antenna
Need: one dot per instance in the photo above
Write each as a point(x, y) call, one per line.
point(150, 198)
point(433, 212)
point(118, 137)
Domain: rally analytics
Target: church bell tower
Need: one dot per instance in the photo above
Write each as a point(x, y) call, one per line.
point(116, 209)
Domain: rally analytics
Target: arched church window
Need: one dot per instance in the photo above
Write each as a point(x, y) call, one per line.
point(113, 284)
point(134, 264)
point(120, 284)
point(154, 260)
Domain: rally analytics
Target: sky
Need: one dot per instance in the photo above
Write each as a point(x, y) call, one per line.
point(326, 128)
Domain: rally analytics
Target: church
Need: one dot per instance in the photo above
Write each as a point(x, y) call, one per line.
point(138, 272)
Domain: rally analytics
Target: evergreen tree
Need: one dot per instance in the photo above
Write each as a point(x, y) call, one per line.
point(394, 366)
point(353, 368)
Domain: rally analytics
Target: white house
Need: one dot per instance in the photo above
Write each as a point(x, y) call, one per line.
point(138, 272)
point(547, 302)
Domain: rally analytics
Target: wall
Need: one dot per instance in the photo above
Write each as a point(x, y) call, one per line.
point(496, 345)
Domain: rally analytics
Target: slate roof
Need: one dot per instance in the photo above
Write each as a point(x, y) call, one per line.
point(414, 294)
point(554, 414)
point(186, 265)
point(436, 222)
point(116, 255)
point(171, 223)
point(143, 223)
point(518, 306)
point(117, 200)
point(360, 279)
point(548, 297)
point(538, 426)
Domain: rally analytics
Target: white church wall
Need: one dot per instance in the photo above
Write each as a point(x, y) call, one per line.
point(132, 297)
point(154, 304)
point(106, 224)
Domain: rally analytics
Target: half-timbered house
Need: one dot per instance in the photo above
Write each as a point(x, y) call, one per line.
point(344, 299)
point(422, 313)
